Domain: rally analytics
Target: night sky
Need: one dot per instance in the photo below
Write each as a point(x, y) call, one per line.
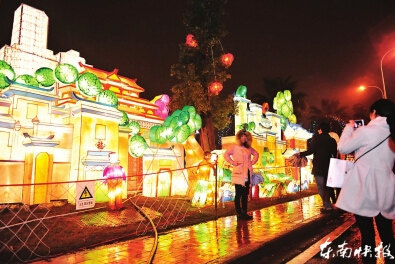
point(329, 46)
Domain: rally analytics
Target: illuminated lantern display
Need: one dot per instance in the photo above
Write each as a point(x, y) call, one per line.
point(6, 71)
point(89, 85)
point(162, 102)
point(45, 76)
point(241, 91)
point(107, 97)
point(265, 108)
point(114, 175)
point(66, 73)
point(215, 87)
point(227, 59)
point(27, 79)
point(191, 42)
point(135, 127)
point(283, 104)
point(124, 120)
point(137, 146)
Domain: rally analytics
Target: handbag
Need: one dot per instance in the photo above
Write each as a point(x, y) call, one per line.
point(338, 169)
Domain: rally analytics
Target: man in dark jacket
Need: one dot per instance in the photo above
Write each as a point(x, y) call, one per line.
point(324, 147)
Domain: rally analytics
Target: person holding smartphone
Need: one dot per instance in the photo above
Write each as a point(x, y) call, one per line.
point(368, 190)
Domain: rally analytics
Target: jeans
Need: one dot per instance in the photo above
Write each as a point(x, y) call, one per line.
point(323, 191)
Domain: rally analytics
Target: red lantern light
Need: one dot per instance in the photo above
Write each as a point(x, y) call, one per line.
point(265, 108)
point(227, 59)
point(215, 87)
point(191, 41)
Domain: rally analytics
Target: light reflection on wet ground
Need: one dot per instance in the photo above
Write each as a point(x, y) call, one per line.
point(211, 241)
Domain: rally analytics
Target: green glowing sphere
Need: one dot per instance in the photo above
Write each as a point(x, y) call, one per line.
point(27, 79)
point(285, 110)
point(176, 113)
point(152, 133)
point(66, 73)
point(161, 135)
point(287, 95)
point(182, 133)
point(135, 127)
point(191, 109)
point(167, 121)
point(198, 122)
point(292, 118)
point(137, 146)
point(45, 76)
point(90, 85)
point(7, 70)
point(251, 126)
point(107, 97)
point(183, 118)
point(124, 120)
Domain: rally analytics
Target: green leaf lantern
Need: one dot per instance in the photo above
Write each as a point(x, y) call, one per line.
point(292, 118)
point(66, 73)
point(107, 97)
point(182, 133)
point(161, 135)
point(198, 122)
point(287, 95)
point(291, 106)
point(137, 146)
point(183, 118)
point(191, 109)
point(192, 126)
point(176, 113)
point(241, 91)
point(4, 82)
point(167, 121)
point(280, 99)
point(124, 120)
point(45, 76)
point(152, 133)
point(27, 79)
point(89, 84)
point(285, 110)
point(251, 126)
point(134, 126)
point(7, 70)
point(275, 103)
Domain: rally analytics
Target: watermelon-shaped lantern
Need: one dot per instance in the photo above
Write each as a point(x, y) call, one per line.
point(66, 73)
point(107, 97)
point(6, 71)
point(45, 76)
point(27, 79)
point(137, 146)
point(124, 120)
point(135, 127)
point(89, 84)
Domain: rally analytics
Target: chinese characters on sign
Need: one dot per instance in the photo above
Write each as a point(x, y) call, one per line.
point(343, 251)
point(85, 195)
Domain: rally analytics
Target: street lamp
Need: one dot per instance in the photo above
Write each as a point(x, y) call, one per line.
point(382, 74)
point(381, 90)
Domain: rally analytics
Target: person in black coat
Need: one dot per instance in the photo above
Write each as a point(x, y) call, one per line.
point(324, 147)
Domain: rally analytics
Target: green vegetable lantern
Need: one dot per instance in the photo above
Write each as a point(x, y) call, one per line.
point(241, 91)
point(177, 127)
point(135, 127)
point(137, 146)
point(124, 120)
point(283, 104)
point(66, 73)
point(6, 71)
point(89, 85)
point(107, 97)
point(45, 76)
point(27, 79)
point(251, 126)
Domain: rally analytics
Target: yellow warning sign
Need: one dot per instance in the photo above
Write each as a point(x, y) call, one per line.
point(86, 194)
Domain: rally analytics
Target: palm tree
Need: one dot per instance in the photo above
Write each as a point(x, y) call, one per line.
point(331, 113)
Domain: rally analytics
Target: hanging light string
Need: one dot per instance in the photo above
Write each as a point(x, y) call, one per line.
point(212, 57)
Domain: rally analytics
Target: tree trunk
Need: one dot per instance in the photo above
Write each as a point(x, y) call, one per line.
point(207, 135)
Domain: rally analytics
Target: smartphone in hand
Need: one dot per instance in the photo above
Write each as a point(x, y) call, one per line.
point(358, 123)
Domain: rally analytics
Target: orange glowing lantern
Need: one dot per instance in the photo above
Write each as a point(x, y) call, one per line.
point(191, 41)
point(227, 59)
point(215, 87)
point(265, 108)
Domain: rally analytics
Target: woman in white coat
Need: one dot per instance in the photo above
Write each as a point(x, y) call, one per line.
point(368, 190)
point(239, 156)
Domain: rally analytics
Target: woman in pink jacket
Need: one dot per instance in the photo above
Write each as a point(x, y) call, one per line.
point(239, 156)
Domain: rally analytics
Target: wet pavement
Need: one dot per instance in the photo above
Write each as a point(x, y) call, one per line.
point(216, 241)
